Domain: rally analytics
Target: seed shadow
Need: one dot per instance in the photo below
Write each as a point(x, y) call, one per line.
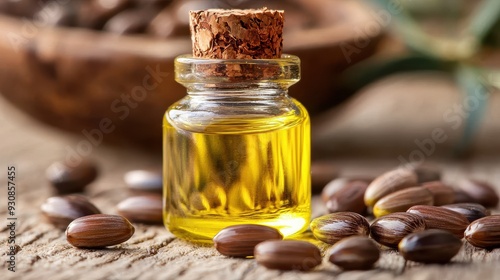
point(107, 249)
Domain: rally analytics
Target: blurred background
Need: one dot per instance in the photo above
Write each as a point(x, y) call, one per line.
point(406, 80)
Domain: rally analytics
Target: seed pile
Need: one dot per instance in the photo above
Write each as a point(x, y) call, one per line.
point(85, 225)
point(416, 213)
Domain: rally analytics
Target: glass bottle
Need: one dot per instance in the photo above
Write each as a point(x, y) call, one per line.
point(236, 149)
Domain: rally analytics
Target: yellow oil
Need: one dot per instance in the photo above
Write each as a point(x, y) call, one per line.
point(237, 171)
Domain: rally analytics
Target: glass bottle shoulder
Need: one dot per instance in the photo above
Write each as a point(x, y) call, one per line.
point(235, 115)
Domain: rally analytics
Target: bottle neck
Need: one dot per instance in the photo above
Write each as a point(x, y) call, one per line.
point(236, 91)
point(237, 77)
point(250, 101)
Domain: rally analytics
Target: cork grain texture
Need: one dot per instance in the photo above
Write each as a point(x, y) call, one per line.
point(153, 252)
point(237, 34)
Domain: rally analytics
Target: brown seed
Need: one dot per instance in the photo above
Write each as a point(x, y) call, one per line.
point(322, 172)
point(481, 192)
point(333, 187)
point(349, 198)
point(62, 210)
point(462, 197)
point(443, 194)
point(100, 230)
point(144, 181)
point(333, 227)
point(21, 8)
point(354, 253)
point(389, 230)
point(402, 200)
point(389, 182)
point(66, 178)
point(427, 174)
point(430, 246)
point(240, 240)
point(441, 218)
point(484, 232)
point(472, 211)
point(142, 209)
point(338, 184)
point(287, 255)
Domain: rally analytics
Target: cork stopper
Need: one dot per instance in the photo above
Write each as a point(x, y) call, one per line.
point(237, 34)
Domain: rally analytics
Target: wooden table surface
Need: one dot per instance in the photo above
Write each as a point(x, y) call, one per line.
point(153, 252)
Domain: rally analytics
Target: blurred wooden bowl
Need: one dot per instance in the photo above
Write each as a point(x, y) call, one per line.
point(81, 80)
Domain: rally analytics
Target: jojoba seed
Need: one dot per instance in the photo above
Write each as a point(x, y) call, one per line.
point(472, 211)
point(441, 218)
point(354, 253)
point(240, 240)
point(430, 246)
point(388, 183)
point(462, 197)
point(481, 192)
point(287, 255)
point(484, 232)
point(336, 226)
point(389, 230)
point(442, 193)
point(401, 200)
point(62, 210)
point(67, 178)
point(349, 198)
point(99, 230)
point(144, 181)
point(427, 174)
point(142, 209)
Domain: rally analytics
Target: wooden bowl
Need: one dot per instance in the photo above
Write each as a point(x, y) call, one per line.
point(82, 81)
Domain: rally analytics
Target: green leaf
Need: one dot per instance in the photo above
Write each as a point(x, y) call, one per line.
point(475, 102)
point(372, 69)
point(492, 77)
point(442, 47)
point(485, 18)
point(413, 36)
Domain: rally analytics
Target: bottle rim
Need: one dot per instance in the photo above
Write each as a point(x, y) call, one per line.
point(202, 72)
point(284, 59)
